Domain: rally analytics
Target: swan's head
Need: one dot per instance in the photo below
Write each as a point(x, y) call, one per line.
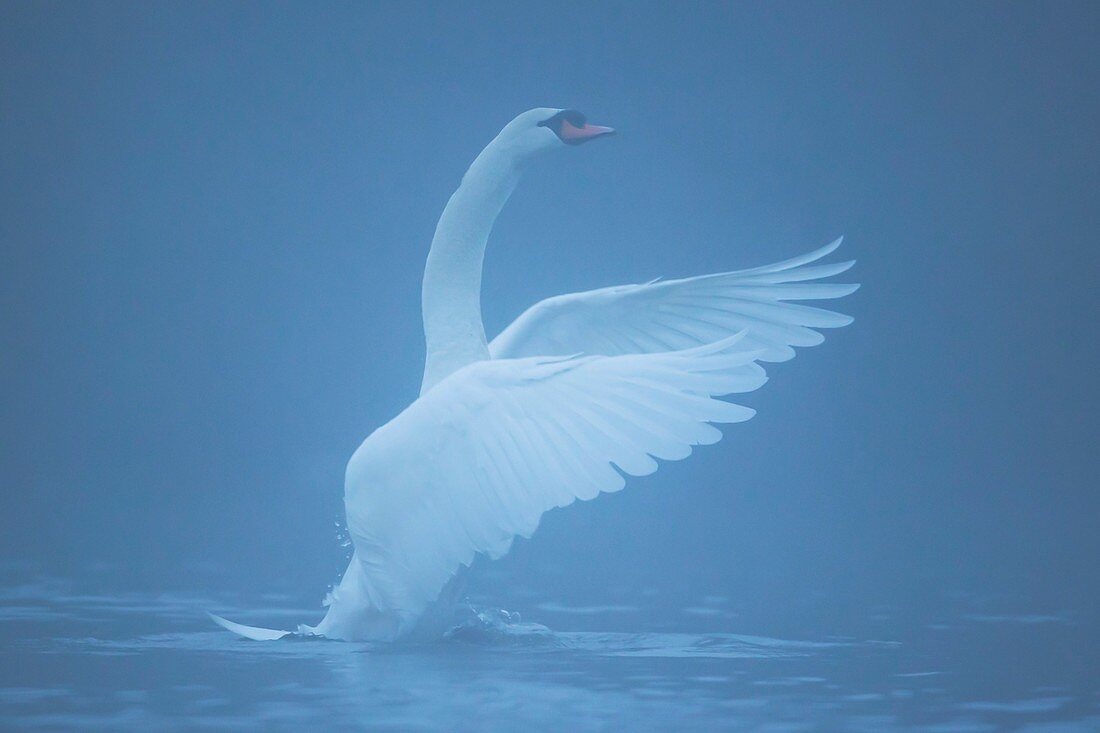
point(544, 128)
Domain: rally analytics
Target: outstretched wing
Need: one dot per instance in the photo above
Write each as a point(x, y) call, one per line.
point(479, 458)
point(679, 314)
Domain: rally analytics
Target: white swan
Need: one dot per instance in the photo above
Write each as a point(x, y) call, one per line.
point(578, 391)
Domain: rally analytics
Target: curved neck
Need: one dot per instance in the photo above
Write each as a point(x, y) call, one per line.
point(451, 294)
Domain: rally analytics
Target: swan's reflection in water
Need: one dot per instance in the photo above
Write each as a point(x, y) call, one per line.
point(72, 661)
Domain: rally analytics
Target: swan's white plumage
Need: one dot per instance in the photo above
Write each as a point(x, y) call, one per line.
point(478, 459)
point(678, 314)
point(579, 391)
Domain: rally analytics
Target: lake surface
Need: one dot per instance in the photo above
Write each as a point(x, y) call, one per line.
point(75, 659)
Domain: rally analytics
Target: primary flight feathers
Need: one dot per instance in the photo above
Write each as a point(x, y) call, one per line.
point(677, 314)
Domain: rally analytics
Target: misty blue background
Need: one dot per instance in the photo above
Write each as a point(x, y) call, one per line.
point(214, 218)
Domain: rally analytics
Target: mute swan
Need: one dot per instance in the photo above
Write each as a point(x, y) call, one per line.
point(578, 391)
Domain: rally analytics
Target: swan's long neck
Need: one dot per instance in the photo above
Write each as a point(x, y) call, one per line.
point(451, 295)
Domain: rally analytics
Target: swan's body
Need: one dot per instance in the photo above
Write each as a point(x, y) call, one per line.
point(578, 385)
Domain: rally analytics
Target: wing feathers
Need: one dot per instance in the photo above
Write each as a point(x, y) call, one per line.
point(480, 457)
point(679, 314)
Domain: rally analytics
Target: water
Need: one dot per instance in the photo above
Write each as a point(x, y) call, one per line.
point(76, 660)
point(213, 225)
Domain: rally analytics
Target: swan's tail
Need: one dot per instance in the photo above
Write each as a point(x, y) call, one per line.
point(352, 617)
point(249, 632)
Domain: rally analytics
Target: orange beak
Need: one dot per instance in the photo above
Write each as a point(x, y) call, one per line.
point(573, 135)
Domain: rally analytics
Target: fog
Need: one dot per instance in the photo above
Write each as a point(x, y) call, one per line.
point(213, 226)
